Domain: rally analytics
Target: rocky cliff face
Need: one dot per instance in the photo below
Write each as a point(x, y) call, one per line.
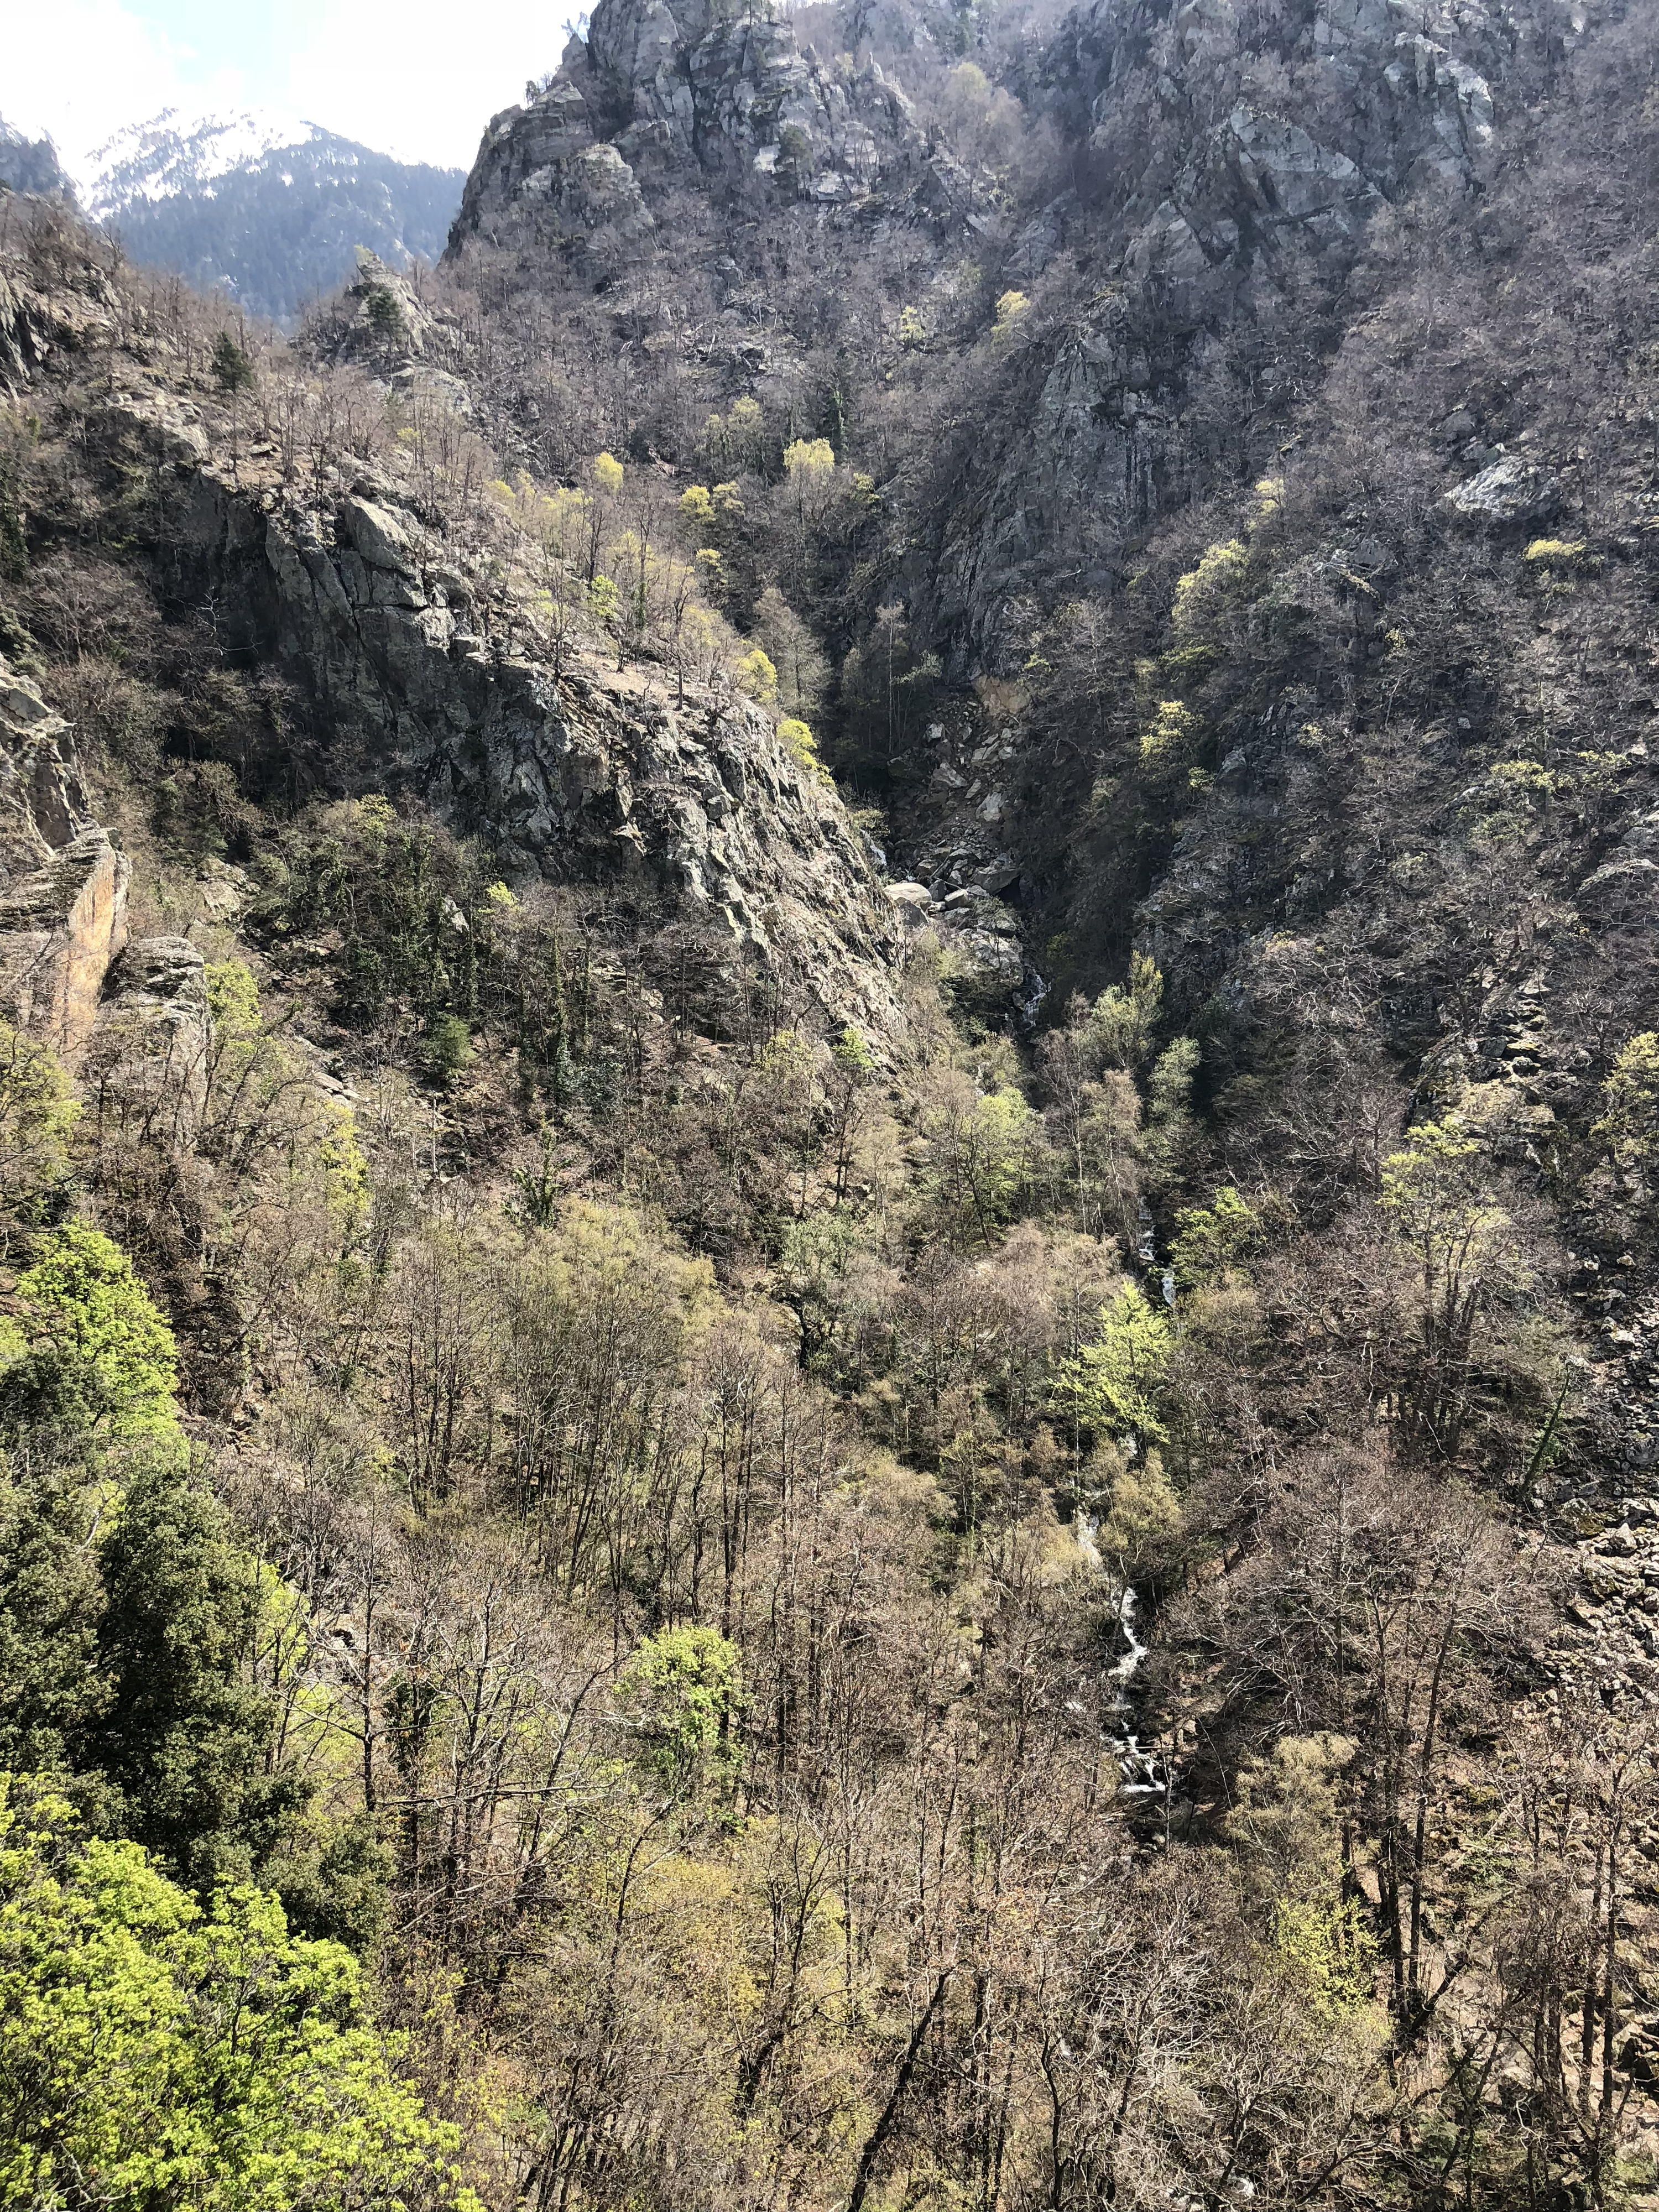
point(431, 682)
point(1245, 157)
point(62, 886)
point(68, 973)
point(658, 94)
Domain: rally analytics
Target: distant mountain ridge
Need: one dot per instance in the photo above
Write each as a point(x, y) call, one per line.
point(264, 206)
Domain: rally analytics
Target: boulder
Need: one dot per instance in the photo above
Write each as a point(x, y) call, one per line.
point(1506, 494)
point(154, 1030)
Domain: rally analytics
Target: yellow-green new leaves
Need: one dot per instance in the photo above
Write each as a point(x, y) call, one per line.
point(93, 1306)
point(1210, 1240)
point(1204, 590)
point(1170, 734)
point(803, 746)
point(808, 458)
point(151, 2054)
point(757, 677)
point(1429, 1195)
point(1114, 1384)
point(682, 1694)
point(37, 1117)
point(1125, 1016)
point(1013, 307)
point(1629, 1126)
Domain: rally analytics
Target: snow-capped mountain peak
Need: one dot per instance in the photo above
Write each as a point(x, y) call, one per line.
point(179, 152)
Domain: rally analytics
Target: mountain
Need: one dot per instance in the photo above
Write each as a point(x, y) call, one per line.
point(263, 206)
point(848, 1308)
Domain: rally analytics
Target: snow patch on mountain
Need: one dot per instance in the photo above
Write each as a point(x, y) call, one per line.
point(177, 152)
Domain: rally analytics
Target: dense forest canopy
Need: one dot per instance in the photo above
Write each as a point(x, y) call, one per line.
point(828, 1090)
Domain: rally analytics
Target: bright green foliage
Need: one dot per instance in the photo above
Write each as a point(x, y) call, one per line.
point(811, 1276)
point(233, 997)
point(1204, 590)
point(604, 602)
point(1114, 1383)
point(982, 1156)
point(1211, 1240)
point(1629, 1126)
point(697, 509)
point(97, 1311)
point(1287, 1828)
point(1168, 737)
point(756, 676)
point(852, 1055)
point(1556, 552)
point(153, 2055)
point(682, 1693)
point(1120, 1025)
point(37, 1117)
point(607, 474)
point(1012, 308)
point(1429, 1194)
point(809, 457)
point(185, 1739)
point(798, 736)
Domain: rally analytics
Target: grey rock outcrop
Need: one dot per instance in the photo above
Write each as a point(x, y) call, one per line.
point(1506, 493)
point(62, 886)
point(661, 88)
point(153, 1026)
point(1270, 203)
point(430, 684)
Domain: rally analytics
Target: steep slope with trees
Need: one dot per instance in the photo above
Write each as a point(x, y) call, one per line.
point(748, 1536)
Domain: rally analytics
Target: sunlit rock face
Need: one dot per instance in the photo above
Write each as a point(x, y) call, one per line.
point(657, 94)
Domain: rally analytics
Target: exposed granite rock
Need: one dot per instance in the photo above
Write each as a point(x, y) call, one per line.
point(62, 886)
point(430, 687)
point(1262, 207)
point(1506, 493)
point(42, 802)
point(153, 1026)
point(661, 87)
point(978, 935)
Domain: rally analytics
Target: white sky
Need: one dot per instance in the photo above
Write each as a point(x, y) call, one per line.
point(416, 78)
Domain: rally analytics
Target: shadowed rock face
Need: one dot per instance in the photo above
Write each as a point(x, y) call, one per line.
point(62, 886)
point(1249, 206)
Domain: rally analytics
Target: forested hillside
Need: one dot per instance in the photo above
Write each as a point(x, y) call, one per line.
point(828, 1109)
